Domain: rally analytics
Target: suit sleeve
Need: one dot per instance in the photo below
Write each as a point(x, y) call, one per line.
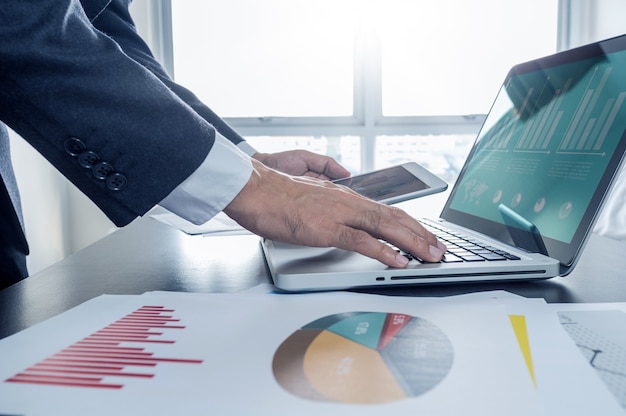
point(107, 123)
point(115, 21)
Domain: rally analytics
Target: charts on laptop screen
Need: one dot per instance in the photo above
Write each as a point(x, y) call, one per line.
point(549, 145)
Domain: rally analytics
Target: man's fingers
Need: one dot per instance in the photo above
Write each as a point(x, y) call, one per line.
point(361, 242)
point(374, 244)
point(396, 226)
point(417, 236)
point(303, 163)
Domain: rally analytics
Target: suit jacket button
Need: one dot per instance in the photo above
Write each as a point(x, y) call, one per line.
point(116, 182)
point(74, 146)
point(101, 170)
point(88, 159)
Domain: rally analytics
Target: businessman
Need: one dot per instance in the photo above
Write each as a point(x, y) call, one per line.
point(79, 84)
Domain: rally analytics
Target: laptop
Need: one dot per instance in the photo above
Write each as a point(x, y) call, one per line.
point(528, 194)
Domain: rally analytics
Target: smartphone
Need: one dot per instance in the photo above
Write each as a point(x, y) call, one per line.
point(395, 184)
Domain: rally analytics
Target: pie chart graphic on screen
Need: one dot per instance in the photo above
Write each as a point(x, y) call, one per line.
point(363, 358)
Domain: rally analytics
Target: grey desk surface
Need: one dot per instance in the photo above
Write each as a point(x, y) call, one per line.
point(148, 255)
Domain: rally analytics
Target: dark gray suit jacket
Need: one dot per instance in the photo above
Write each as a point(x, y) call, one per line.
point(79, 84)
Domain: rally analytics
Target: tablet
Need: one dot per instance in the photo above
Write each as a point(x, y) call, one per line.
point(395, 184)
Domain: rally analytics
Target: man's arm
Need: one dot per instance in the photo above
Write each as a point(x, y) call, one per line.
point(81, 101)
point(215, 183)
point(116, 22)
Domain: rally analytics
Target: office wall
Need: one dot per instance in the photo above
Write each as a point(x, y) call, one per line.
point(591, 20)
point(608, 19)
point(596, 20)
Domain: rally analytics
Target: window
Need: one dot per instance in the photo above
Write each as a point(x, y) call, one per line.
point(370, 82)
point(266, 58)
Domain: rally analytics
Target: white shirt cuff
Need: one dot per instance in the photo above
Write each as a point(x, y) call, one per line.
point(215, 183)
point(247, 148)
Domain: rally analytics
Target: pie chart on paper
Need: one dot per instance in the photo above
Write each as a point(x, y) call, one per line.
point(363, 358)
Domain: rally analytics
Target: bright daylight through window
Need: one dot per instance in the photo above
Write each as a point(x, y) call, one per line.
point(369, 82)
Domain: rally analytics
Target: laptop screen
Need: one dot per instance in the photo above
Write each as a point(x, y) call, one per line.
point(548, 149)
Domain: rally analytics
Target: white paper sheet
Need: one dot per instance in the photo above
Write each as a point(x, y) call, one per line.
point(565, 382)
point(221, 224)
point(597, 333)
point(236, 339)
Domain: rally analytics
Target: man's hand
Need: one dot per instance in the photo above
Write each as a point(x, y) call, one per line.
point(303, 163)
point(306, 211)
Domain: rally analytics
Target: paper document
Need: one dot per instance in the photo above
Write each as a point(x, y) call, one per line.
point(328, 353)
point(221, 224)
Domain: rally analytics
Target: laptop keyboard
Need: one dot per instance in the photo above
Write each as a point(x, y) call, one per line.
point(462, 248)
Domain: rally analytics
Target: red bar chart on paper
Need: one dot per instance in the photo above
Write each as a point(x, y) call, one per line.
point(110, 352)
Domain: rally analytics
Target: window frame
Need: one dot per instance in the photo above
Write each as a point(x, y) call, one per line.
point(367, 120)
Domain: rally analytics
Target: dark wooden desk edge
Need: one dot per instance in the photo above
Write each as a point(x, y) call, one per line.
point(148, 255)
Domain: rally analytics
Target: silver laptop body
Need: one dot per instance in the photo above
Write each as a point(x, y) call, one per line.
point(532, 185)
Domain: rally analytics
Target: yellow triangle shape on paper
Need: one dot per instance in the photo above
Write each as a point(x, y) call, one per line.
point(519, 327)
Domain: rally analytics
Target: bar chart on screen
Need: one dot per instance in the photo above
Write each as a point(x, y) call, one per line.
point(594, 118)
point(576, 117)
point(119, 351)
point(539, 131)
